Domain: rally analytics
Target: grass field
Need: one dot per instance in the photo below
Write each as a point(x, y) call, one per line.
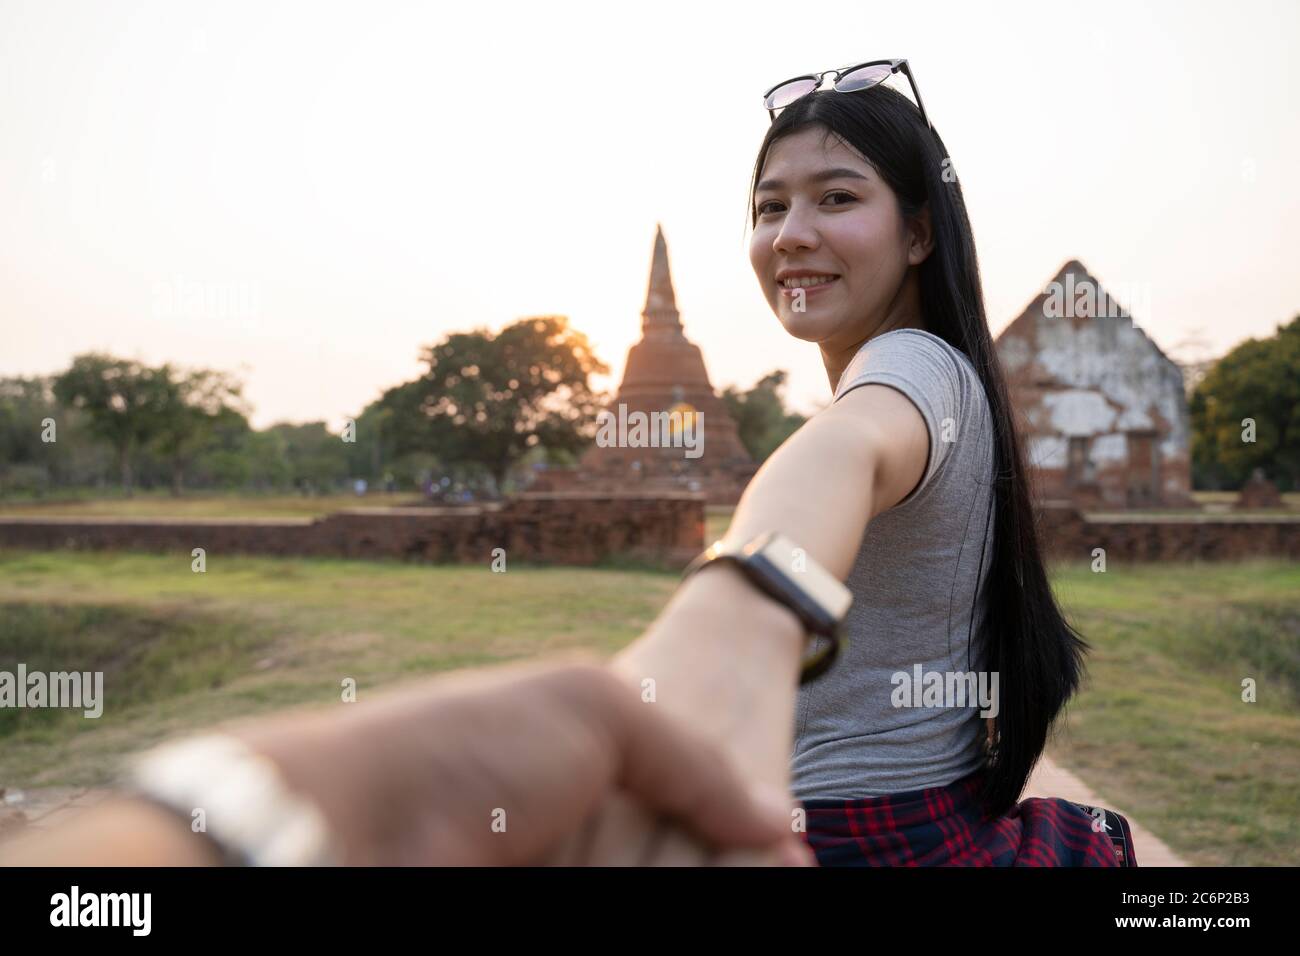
point(164, 505)
point(1160, 729)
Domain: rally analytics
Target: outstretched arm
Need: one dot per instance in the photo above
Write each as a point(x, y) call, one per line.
point(725, 657)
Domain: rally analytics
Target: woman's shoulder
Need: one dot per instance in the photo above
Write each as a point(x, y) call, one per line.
point(922, 340)
point(942, 384)
point(912, 353)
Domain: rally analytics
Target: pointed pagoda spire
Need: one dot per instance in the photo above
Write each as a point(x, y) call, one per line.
point(660, 313)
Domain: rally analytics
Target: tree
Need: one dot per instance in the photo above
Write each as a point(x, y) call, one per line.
point(26, 462)
point(760, 415)
point(487, 400)
point(1245, 413)
point(197, 403)
point(242, 458)
point(125, 403)
point(317, 458)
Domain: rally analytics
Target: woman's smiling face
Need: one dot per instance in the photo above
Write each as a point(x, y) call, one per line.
point(824, 211)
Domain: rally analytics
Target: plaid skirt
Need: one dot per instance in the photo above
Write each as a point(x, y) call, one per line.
point(945, 826)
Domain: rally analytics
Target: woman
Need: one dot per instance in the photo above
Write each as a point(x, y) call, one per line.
point(911, 487)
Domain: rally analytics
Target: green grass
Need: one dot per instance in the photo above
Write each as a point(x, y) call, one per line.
point(264, 633)
point(1159, 729)
point(1290, 499)
point(163, 505)
point(145, 656)
point(716, 520)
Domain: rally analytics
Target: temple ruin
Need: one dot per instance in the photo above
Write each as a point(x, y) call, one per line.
point(664, 383)
point(1101, 407)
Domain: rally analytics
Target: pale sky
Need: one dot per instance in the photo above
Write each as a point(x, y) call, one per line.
point(307, 193)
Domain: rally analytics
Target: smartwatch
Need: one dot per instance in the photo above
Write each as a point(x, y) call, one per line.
point(784, 571)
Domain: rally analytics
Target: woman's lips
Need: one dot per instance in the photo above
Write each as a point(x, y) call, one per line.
point(808, 289)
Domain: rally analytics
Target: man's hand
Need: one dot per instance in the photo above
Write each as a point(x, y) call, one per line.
point(498, 766)
point(506, 766)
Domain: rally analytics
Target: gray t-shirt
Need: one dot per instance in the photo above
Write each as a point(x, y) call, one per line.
point(914, 584)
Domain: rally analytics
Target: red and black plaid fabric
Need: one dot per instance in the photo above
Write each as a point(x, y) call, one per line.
point(944, 826)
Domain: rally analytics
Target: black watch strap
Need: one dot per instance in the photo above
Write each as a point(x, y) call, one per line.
point(781, 570)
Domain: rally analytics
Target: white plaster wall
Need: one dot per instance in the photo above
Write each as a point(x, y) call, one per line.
point(1014, 352)
point(1116, 358)
point(1078, 412)
point(1109, 449)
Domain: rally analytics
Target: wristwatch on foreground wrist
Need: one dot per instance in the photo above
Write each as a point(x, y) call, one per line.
point(785, 572)
point(248, 810)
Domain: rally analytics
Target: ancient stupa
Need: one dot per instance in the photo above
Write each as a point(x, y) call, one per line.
point(665, 377)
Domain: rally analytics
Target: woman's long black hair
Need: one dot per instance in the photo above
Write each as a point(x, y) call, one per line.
point(1037, 655)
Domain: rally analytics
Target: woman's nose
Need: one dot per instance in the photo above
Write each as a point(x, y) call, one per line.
point(797, 232)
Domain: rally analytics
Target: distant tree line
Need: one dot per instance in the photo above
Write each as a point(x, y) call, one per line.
point(115, 424)
point(1245, 414)
point(486, 409)
point(761, 416)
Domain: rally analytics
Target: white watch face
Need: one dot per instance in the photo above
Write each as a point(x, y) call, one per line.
point(816, 580)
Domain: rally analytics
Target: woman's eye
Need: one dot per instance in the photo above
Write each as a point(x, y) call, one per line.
point(763, 208)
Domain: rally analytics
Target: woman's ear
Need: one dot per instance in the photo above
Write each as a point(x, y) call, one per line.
point(920, 238)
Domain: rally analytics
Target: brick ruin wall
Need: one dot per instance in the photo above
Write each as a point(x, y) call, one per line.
point(533, 528)
point(584, 529)
point(1066, 535)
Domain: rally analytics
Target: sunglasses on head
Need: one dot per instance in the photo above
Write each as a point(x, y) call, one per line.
point(848, 79)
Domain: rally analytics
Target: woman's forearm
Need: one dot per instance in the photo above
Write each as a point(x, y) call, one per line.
point(817, 489)
point(722, 654)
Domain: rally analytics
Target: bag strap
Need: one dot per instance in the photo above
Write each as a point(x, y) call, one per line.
point(1116, 827)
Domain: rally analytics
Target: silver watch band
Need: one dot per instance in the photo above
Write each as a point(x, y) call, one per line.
point(247, 809)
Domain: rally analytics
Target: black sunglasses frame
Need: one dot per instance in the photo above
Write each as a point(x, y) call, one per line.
point(894, 67)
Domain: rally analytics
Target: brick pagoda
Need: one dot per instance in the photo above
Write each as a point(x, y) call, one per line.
point(665, 373)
